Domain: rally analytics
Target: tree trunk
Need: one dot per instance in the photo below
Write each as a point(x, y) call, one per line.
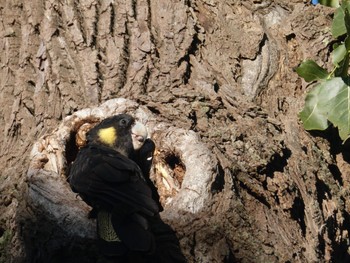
point(214, 82)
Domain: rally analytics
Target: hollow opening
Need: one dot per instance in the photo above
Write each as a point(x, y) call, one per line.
point(71, 148)
point(177, 167)
point(167, 175)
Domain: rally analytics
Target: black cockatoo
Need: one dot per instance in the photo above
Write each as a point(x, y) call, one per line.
point(111, 174)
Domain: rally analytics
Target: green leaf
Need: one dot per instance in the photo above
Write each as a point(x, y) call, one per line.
point(339, 54)
point(338, 24)
point(338, 108)
point(342, 70)
point(343, 65)
point(313, 115)
point(335, 45)
point(347, 18)
point(345, 4)
point(331, 3)
point(310, 71)
point(347, 43)
point(328, 101)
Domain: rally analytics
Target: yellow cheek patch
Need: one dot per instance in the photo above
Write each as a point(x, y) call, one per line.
point(108, 135)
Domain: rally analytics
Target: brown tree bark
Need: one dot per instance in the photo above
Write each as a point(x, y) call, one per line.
point(215, 83)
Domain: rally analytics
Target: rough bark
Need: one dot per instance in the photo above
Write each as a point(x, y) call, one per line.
point(214, 74)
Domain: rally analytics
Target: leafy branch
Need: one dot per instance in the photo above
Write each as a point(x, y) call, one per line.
point(328, 103)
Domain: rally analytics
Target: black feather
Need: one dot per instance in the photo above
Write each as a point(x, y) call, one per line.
point(104, 178)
